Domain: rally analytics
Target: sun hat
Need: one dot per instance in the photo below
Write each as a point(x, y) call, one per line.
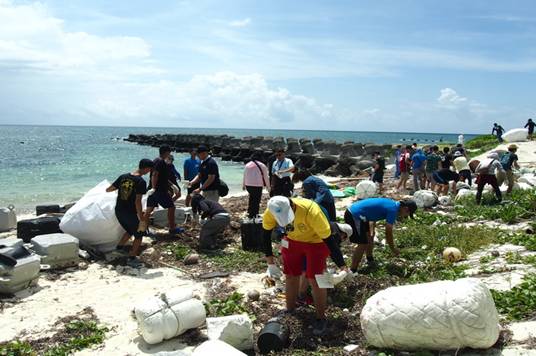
point(458, 154)
point(280, 208)
point(345, 228)
point(202, 148)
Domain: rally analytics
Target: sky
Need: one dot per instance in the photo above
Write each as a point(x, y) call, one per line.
point(371, 65)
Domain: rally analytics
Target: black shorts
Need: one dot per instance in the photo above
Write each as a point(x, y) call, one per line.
point(360, 229)
point(160, 198)
point(128, 221)
point(192, 188)
point(377, 177)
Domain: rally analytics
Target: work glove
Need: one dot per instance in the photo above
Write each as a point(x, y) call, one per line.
point(274, 272)
point(142, 226)
point(339, 277)
point(150, 192)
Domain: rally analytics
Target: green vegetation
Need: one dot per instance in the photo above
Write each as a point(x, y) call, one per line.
point(237, 260)
point(231, 305)
point(522, 205)
point(422, 242)
point(481, 144)
point(179, 250)
point(518, 303)
point(75, 336)
point(84, 334)
point(516, 258)
point(16, 348)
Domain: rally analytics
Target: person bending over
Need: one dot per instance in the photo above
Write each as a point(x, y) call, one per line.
point(307, 239)
point(216, 220)
point(359, 216)
point(317, 190)
point(128, 209)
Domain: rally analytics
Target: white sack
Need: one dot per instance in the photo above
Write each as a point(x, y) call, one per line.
point(169, 315)
point(516, 135)
point(216, 348)
point(365, 189)
point(92, 219)
point(445, 200)
point(462, 193)
point(236, 330)
point(440, 315)
point(528, 178)
point(425, 198)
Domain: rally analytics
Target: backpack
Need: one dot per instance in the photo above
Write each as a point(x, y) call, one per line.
point(505, 161)
point(483, 167)
point(223, 189)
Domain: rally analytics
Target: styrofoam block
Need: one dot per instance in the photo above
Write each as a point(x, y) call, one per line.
point(236, 330)
point(56, 250)
point(216, 347)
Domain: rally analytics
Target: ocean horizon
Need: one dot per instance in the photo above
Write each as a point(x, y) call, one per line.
point(57, 164)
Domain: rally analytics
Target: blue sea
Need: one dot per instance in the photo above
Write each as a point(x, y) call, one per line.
point(58, 164)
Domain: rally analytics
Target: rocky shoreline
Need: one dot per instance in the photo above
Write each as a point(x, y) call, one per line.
point(320, 157)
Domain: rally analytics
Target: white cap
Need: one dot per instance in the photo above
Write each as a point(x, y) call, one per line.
point(346, 229)
point(280, 208)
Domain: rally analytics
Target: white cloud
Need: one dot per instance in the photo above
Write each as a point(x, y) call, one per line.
point(209, 100)
point(32, 39)
point(240, 23)
point(449, 97)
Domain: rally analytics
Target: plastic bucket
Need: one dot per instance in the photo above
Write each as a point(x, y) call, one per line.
point(190, 314)
point(273, 337)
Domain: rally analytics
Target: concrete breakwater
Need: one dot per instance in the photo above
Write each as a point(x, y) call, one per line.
point(318, 156)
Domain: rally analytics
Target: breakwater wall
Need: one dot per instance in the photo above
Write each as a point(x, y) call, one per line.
point(318, 156)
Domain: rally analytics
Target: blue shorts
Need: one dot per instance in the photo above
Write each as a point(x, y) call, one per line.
point(160, 198)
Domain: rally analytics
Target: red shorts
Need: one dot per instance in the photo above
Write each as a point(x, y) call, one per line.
point(315, 256)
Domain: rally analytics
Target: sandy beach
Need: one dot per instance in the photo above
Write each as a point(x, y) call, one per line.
point(112, 290)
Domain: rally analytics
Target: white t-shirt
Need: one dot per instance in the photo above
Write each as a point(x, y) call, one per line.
point(285, 164)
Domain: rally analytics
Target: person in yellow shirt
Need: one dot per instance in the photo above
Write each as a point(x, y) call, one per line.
point(308, 239)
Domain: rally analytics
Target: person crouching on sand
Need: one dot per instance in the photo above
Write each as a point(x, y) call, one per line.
point(128, 208)
point(307, 239)
point(216, 220)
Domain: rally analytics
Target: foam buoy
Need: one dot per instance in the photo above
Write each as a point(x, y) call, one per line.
point(452, 254)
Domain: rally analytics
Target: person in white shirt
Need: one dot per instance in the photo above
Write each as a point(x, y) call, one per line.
point(282, 169)
point(462, 167)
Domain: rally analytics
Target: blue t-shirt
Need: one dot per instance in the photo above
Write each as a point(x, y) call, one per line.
point(192, 167)
point(316, 189)
point(418, 159)
point(375, 209)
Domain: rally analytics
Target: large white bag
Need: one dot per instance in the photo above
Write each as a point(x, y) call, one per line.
point(92, 219)
point(440, 315)
point(516, 135)
point(425, 198)
point(169, 315)
point(365, 189)
point(528, 178)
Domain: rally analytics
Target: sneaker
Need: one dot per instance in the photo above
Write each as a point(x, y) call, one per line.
point(320, 327)
point(134, 262)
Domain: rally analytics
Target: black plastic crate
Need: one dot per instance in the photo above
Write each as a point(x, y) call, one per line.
point(47, 209)
point(27, 229)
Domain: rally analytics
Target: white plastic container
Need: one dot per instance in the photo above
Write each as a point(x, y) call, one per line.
point(20, 276)
point(160, 218)
point(56, 250)
point(8, 218)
